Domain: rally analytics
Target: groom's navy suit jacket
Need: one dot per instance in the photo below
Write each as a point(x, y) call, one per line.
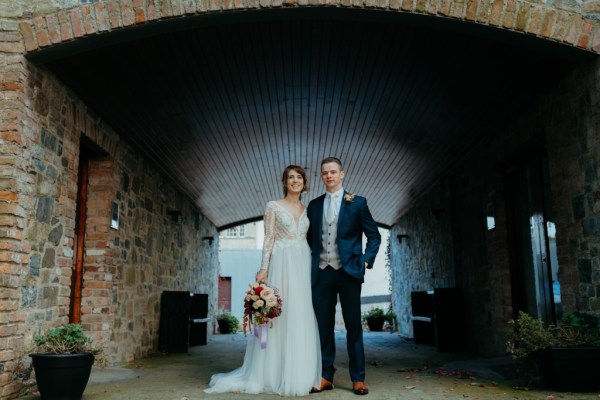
point(354, 219)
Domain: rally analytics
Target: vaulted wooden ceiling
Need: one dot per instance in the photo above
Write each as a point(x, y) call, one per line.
point(222, 105)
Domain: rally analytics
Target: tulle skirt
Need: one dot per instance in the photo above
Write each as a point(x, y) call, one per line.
point(290, 365)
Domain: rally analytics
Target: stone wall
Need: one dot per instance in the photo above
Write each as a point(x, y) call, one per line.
point(125, 269)
point(422, 257)
point(41, 125)
point(481, 252)
point(458, 249)
point(572, 123)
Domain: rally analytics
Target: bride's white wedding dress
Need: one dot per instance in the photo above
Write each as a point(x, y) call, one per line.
point(291, 363)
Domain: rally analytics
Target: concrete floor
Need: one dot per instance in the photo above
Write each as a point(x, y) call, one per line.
point(396, 369)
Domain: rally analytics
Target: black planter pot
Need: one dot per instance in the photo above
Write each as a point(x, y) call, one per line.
point(570, 369)
point(375, 324)
point(224, 327)
point(62, 376)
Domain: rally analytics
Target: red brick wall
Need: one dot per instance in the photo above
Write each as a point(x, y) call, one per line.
point(224, 294)
point(125, 270)
point(566, 22)
point(40, 126)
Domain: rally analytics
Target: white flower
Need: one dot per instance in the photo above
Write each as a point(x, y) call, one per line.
point(271, 301)
point(258, 304)
point(260, 301)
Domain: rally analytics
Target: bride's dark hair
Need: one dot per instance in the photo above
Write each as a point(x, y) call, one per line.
point(299, 170)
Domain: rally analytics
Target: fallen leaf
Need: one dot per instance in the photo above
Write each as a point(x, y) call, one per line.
point(459, 373)
point(411, 369)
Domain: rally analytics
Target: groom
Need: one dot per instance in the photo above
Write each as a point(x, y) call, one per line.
point(338, 220)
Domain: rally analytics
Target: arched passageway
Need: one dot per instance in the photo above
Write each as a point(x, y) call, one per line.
point(222, 104)
point(196, 116)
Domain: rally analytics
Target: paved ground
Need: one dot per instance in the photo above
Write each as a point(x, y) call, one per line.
point(397, 369)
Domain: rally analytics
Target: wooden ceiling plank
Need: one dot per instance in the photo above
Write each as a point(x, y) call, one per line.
point(230, 105)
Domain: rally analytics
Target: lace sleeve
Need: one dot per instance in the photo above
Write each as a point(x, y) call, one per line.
point(269, 236)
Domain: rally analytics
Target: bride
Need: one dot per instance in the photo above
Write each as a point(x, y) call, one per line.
point(290, 365)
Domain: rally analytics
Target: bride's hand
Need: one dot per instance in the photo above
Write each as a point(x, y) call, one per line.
point(261, 276)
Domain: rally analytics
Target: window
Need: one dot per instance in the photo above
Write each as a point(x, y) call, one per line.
point(238, 231)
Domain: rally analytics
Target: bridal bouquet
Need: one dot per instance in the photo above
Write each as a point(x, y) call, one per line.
point(261, 304)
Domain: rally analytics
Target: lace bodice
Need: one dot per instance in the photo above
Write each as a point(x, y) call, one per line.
point(281, 225)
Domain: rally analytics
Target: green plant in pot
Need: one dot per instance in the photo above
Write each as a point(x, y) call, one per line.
point(376, 318)
point(228, 323)
point(562, 357)
point(62, 362)
point(390, 317)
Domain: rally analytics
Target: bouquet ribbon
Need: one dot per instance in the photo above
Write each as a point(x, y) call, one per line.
point(260, 331)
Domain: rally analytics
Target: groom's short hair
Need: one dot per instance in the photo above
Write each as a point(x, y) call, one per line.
point(332, 160)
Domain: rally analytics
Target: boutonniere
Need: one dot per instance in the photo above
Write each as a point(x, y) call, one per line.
point(349, 197)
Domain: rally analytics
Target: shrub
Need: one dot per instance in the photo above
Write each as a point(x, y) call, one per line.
point(66, 339)
point(529, 335)
point(378, 312)
point(375, 312)
point(228, 323)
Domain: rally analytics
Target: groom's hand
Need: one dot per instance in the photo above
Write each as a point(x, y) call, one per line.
point(367, 265)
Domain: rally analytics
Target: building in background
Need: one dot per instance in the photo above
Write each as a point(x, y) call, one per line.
point(240, 255)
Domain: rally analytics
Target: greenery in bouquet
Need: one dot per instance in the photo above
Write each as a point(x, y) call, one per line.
point(261, 304)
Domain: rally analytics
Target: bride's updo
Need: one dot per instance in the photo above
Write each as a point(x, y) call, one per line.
point(299, 170)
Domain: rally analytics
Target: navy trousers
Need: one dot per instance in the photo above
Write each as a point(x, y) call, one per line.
point(329, 285)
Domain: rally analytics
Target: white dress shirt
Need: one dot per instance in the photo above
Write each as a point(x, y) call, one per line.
point(338, 202)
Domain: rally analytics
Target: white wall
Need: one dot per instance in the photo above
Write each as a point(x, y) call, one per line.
point(241, 266)
point(377, 279)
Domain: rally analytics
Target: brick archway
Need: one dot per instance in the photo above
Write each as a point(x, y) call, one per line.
point(39, 105)
point(561, 25)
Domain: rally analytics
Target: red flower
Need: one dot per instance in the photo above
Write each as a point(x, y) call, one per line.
point(259, 311)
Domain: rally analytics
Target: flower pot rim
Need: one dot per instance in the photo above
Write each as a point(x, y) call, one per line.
point(570, 347)
point(79, 354)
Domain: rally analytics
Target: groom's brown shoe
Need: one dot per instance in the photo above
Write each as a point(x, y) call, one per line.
point(325, 385)
point(360, 388)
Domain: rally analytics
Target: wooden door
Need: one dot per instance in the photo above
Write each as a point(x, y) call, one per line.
point(528, 217)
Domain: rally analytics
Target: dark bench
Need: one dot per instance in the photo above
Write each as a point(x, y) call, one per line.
point(183, 321)
point(438, 318)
